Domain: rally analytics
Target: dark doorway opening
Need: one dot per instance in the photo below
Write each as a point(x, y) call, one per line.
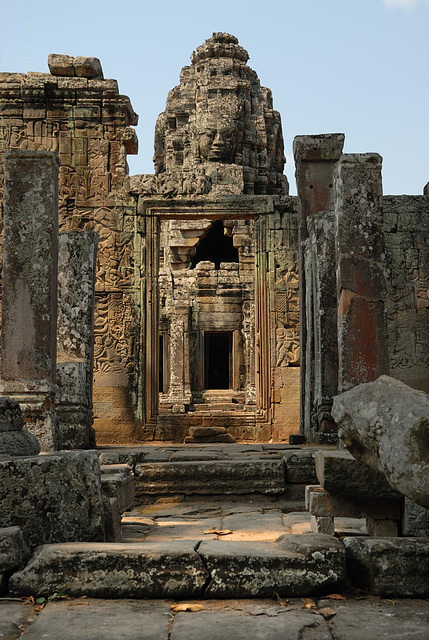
point(217, 359)
point(215, 247)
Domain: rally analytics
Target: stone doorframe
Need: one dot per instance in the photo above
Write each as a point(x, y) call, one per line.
point(150, 212)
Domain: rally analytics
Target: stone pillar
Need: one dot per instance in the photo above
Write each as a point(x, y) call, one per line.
point(315, 159)
point(76, 277)
point(362, 329)
point(322, 265)
point(29, 309)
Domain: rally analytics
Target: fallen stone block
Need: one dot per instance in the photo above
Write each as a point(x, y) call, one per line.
point(294, 565)
point(154, 570)
point(300, 466)
point(389, 567)
point(385, 424)
point(211, 477)
point(54, 497)
point(339, 472)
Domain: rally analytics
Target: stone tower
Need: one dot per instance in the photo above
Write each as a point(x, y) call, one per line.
point(220, 285)
point(219, 133)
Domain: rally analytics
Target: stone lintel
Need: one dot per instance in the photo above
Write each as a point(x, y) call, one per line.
point(325, 147)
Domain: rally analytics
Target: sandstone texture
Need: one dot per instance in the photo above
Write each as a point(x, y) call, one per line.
point(13, 548)
point(113, 570)
point(389, 567)
point(339, 472)
point(14, 439)
point(211, 476)
point(53, 498)
point(293, 566)
point(386, 425)
point(29, 281)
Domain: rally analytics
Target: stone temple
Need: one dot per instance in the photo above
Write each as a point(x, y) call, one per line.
point(228, 384)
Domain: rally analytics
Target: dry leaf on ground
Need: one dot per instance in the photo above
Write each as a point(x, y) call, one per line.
point(327, 613)
point(219, 532)
point(282, 601)
point(309, 603)
point(186, 607)
point(335, 596)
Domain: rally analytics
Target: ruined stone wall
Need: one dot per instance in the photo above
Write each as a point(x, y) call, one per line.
point(278, 233)
point(406, 229)
point(82, 117)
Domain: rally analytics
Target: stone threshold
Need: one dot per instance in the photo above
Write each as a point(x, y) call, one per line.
point(308, 564)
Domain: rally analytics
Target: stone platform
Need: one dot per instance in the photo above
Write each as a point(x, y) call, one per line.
point(294, 619)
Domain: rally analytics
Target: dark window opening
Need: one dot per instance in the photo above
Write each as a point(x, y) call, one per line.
point(215, 247)
point(217, 360)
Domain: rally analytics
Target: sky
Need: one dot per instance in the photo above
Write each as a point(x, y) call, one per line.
point(358, 67)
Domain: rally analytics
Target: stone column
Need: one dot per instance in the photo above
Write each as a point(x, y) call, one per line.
point(29, 310)
point(362, 329)
point(321, 257)
point(76, 277)
point(315, 159)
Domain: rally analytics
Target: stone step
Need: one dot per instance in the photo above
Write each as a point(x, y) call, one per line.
point(291, 566)
point(212, 476)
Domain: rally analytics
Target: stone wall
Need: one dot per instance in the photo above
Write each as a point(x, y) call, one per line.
point(82, 117)
point(406, 228)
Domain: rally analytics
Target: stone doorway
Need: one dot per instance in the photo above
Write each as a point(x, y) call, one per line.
point(217, 360)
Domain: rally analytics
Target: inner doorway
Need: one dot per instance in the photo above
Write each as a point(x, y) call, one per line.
point(217, 360)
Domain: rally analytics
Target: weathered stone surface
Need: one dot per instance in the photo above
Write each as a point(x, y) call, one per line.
point(14, 617)
point(119, 486)
point(112, 519)
point(29, 299)
point(267, 623)
point(373, 618)
point(415, 520)
point(406, 225)
point(85, 67)
point(291, 566)
point(89, 125)
point(362, 329)
point(391, 567)
point(315, 157)
point(53, 498)
point(213, 476)
point(75, 349)
point(95, 619)
point(200, 432)
point(386, 425)
point(223, 437)
point(340, 472)
point(322, 503)
point(19, 443)
point(113, 570)
point(300, 466)
point(61, 65)
point(13, 549)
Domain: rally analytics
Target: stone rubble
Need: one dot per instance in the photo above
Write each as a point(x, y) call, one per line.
point(14, 439)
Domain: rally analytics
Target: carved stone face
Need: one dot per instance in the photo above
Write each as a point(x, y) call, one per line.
point(219, 144)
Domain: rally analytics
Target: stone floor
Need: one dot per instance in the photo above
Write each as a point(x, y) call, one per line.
point(250, 519)
point(348, 618)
